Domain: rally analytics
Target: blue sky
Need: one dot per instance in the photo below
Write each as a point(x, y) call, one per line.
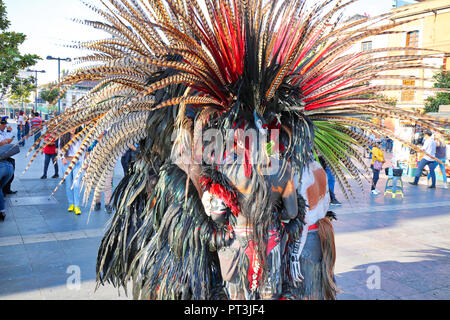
point(48, 26)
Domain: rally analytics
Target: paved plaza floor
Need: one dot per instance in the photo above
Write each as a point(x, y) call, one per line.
point(387, 248)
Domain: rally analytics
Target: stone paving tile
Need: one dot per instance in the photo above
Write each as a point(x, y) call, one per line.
point(26, 295)
point(364, 293)
point(15, 272)
point(16, 285)
point(424, 283)
point(435, 294)
point(11, 261)
point(44, 252)
point(38, 238)
point(397, 288)
point(10, 250)
point(421, 296)
point(8, 228)
point(71, 235)
point(57, 277)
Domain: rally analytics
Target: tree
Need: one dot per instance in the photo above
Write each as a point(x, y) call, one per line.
point(442, 80)
point(49, 95)
point(11, 61)
point(21, 91)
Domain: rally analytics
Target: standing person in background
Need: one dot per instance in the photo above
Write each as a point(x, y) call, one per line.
point(26, 119)
point(108, 184)
point(127, 158)
point(72, 187)
point(441, 150)
point(6, 172)
point(21, 128)
point(429, 146)
point(36, 122)
point(331, 182)
point(376, 165)
point(50, 152)
point(6, 137)
point(390, 144)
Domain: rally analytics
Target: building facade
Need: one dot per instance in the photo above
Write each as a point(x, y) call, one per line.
point(428, 26)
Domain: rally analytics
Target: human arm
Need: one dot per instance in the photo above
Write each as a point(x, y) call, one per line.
point(5, 141)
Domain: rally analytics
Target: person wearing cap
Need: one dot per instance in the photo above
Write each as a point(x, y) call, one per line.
point(5, 130)
point(429, 147)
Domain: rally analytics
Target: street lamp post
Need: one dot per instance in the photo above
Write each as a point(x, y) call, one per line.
point(59, 76)
point(36, 84)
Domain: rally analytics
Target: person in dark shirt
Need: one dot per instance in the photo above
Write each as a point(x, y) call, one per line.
point(50, 152)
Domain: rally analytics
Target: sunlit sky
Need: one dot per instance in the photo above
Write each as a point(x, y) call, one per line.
point(49, 27)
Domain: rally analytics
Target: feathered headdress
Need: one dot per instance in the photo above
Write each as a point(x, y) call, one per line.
point(280, 64)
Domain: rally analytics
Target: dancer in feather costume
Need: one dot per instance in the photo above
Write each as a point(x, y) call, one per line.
point(192, 221)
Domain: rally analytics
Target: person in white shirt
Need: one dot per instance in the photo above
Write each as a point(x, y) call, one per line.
point(429, 147)
point(6, 135)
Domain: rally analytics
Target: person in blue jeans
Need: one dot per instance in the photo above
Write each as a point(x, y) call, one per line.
point(6, 172)
point(429, 146)
point(441, 155)
point(72, 187)
point(21, 128)
point(331, 182)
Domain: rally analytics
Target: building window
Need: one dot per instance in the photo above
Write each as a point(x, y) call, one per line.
point(412, 41)
point(408, 95)
point(366, 46)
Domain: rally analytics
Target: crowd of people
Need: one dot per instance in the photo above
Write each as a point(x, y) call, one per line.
point(33, 125)
point(437, 149)
point(434, 146)
point(431, 144)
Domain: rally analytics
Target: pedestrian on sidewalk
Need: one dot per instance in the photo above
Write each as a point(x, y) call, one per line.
point(6, 172)
point(441, 154)
point(21, 128)
point(108, 190)
point(429, 146)
point(376, 166)
point(36, 123)
point(7, 150)
point(128, 157)
point(72, 187)
point(50, 151)
point(390, 145)
point(26, 129)
point(6, 137)
point(331, 181)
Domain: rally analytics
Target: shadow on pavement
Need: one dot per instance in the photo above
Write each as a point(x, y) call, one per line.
point(424, 279)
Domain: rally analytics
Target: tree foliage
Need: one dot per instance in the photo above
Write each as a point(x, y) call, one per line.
point(21, 91)
point(49, 95)
point(442, 80)
point(11, 61)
